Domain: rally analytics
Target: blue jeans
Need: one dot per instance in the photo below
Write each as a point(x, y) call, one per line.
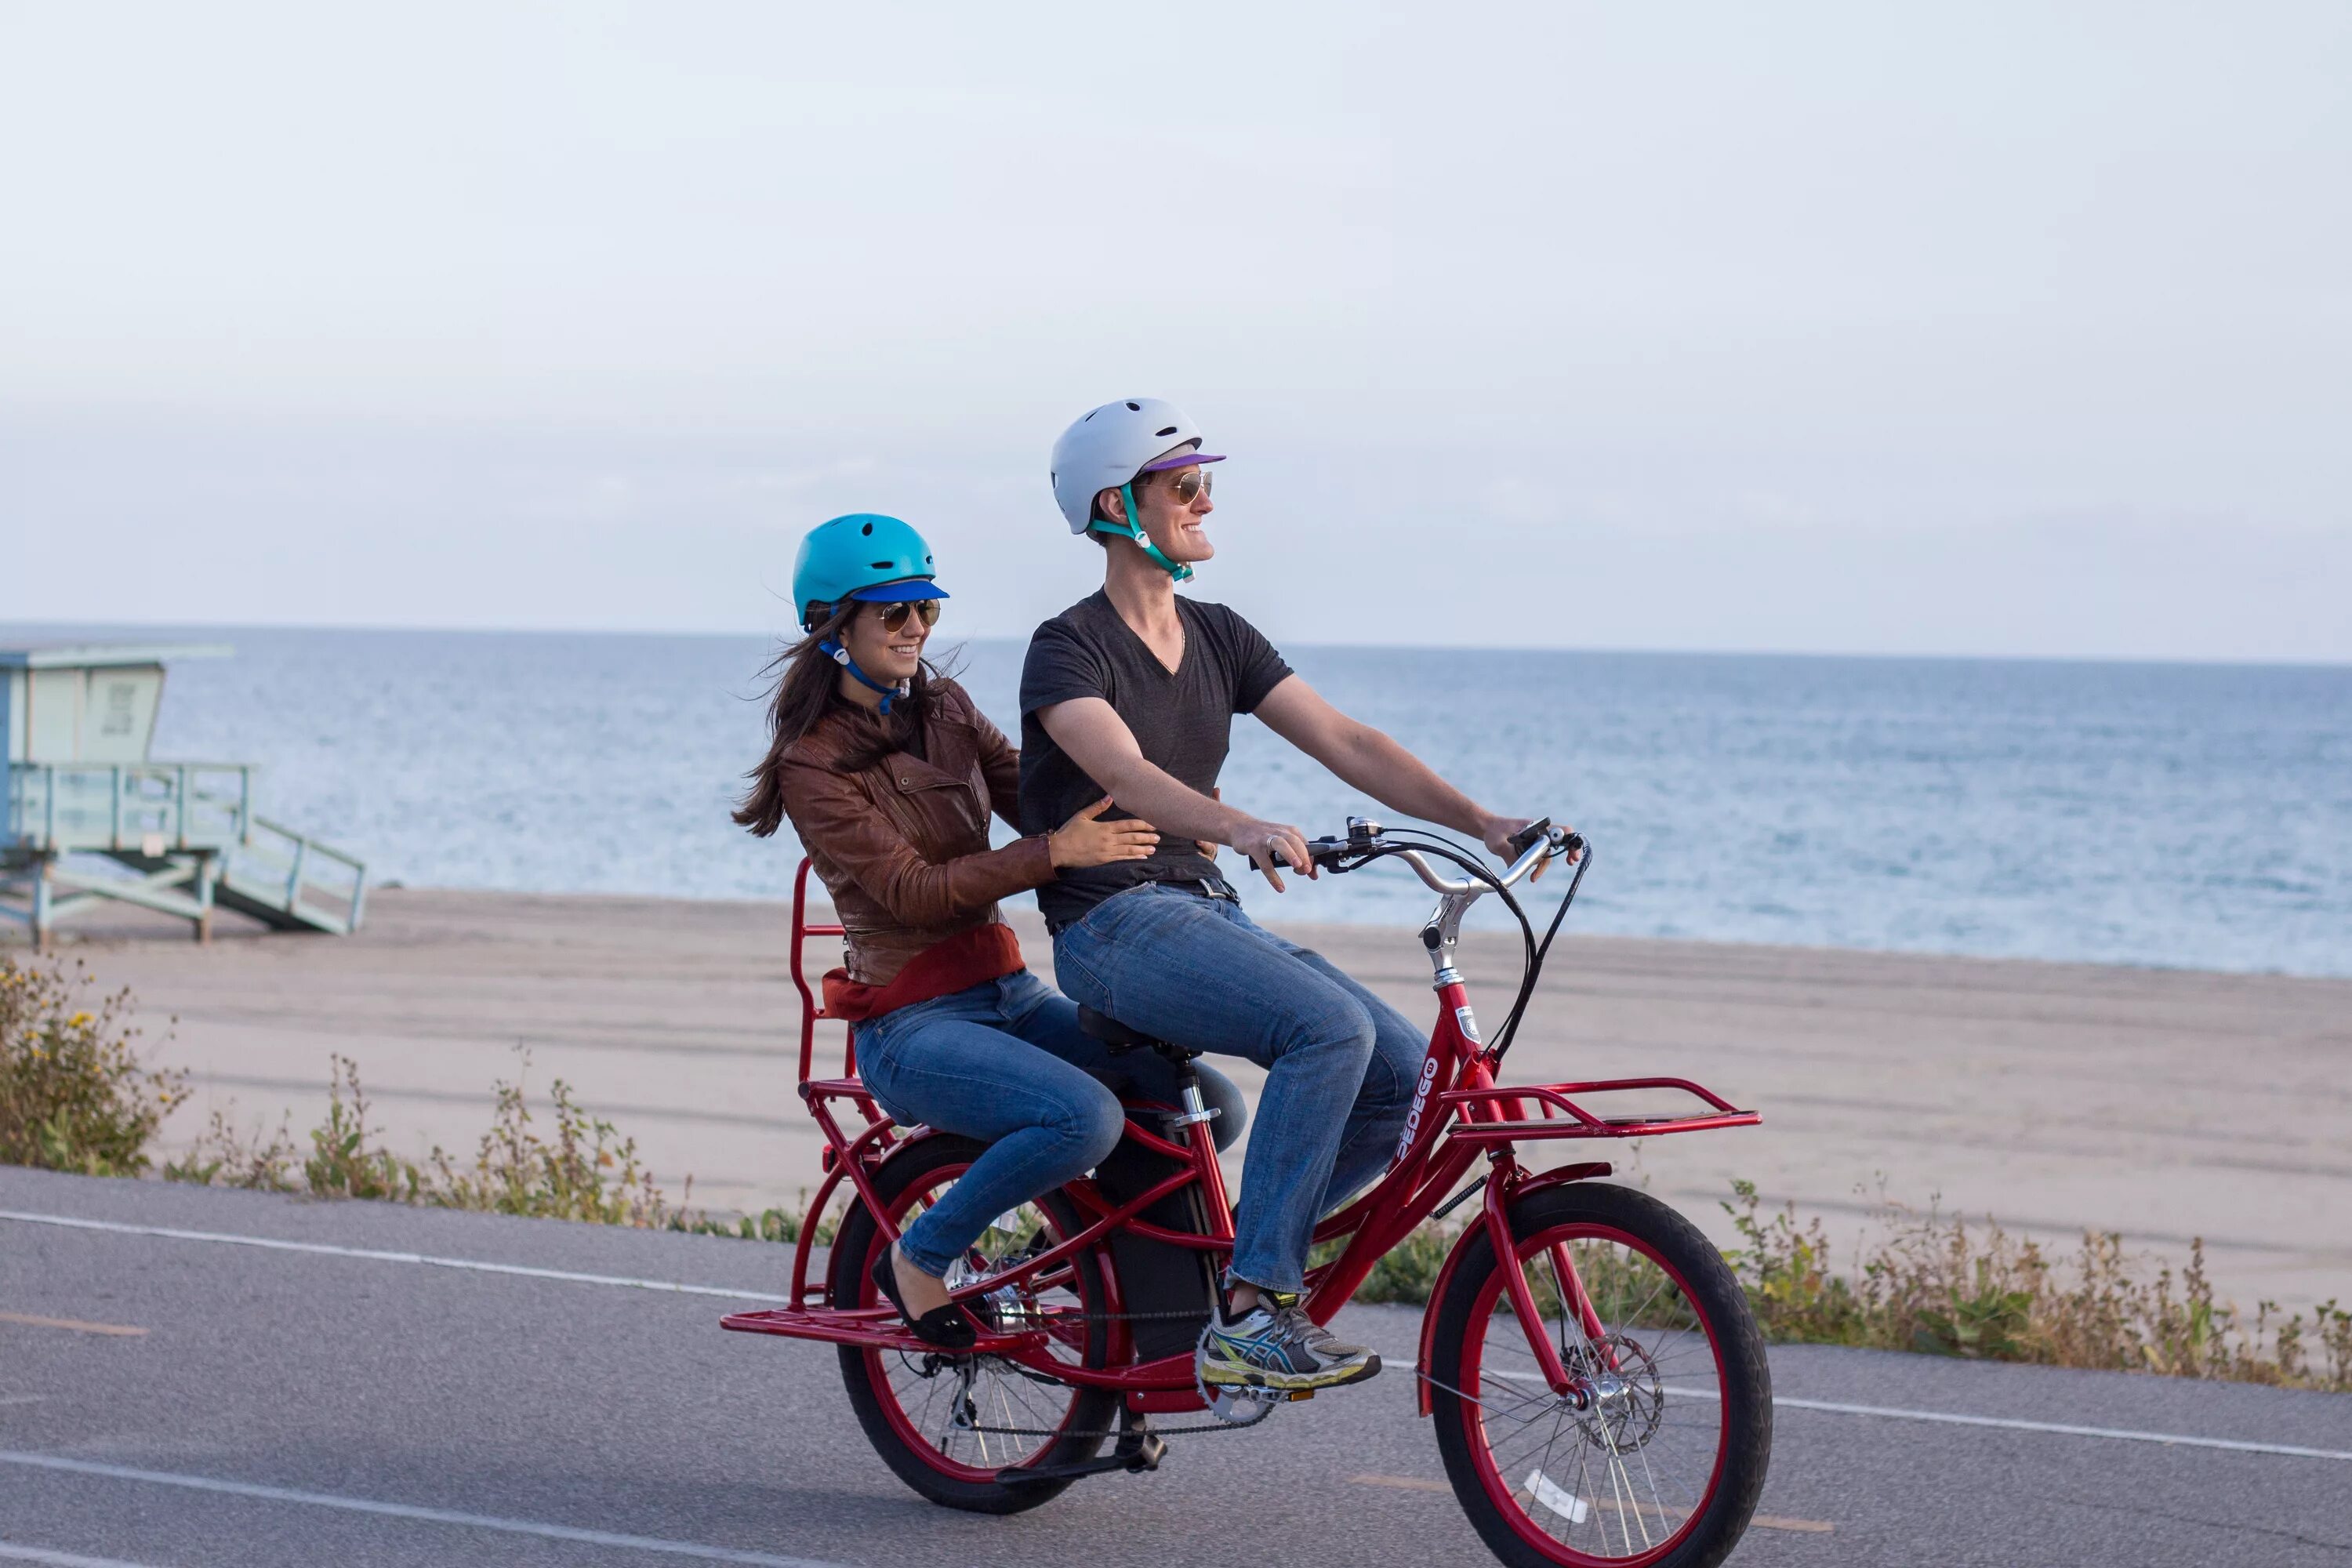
point(1340, 1062)
point(1004, 1062)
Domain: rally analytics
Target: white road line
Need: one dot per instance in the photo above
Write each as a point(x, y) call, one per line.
point(2059, 1429)
point(373, 1256)
point(2118, 1434)
point(403, 1510)
point(10, 1552)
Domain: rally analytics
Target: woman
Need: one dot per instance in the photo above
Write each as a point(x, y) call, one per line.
point(890, 774)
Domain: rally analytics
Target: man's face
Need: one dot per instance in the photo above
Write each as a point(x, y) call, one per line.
point(1170, 521)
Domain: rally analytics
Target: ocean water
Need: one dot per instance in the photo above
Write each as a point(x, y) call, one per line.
point(2178, 815)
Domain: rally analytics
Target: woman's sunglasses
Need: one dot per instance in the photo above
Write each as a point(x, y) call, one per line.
point(894, 616)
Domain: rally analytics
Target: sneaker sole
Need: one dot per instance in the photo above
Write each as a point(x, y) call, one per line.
point(1225, 1377)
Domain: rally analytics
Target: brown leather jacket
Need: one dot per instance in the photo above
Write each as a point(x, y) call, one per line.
point(902, 846)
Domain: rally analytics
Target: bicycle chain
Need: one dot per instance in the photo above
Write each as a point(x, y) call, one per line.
point(1114, 1431)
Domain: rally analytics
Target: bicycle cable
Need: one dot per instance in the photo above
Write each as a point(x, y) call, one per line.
point(1532, 956)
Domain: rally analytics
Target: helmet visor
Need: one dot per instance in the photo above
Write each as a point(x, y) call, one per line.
point(905, 591)
point(1183, 456)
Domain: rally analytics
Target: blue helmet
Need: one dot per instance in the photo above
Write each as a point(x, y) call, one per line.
point(863, 555)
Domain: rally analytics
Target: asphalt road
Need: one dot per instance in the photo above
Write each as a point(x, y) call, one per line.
point(183, 1403)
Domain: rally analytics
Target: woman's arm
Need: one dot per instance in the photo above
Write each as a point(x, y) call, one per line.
point(831, 813)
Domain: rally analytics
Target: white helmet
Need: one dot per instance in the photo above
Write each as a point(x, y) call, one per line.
point(1111, 444)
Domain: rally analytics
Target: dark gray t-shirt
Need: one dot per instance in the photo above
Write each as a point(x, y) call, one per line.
point(1184, 722)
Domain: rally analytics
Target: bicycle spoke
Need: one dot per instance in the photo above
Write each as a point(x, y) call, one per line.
point(1625, 1464)
point(989, 1413)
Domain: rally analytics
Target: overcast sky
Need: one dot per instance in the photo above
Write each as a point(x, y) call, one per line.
point(2011, 329)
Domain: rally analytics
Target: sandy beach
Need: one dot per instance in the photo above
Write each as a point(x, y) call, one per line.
point(2161, 1104)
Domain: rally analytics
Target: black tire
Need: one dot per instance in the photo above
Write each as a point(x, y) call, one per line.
point(1743, 1448)
point(912, 1169)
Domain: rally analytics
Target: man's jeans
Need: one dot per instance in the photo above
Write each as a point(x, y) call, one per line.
point(1340, 1063)
point(1005, 1062)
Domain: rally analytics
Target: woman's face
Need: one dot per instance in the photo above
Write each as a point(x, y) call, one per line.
point(881, 651)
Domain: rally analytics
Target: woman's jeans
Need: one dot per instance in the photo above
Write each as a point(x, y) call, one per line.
point(1341, 1063)
point(1004, 1062)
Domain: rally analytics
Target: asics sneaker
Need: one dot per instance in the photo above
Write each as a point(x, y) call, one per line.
point(1278, 1346)
point(1331, 1343)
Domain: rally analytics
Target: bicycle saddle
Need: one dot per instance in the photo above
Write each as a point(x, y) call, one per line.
point(1120, 1037)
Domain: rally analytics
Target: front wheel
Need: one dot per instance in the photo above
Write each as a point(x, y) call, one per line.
point(1656, 1460)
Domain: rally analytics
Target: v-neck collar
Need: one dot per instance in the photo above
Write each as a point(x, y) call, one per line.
point(1149, 652)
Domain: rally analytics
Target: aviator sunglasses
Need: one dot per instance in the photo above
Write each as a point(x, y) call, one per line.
point(1193, 482)
point(894, 616)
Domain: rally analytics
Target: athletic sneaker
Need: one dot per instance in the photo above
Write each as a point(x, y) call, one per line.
point(1331, 1343)
point(1280, 1347)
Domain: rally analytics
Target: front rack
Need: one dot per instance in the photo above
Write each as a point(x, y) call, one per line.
point(1555, 1115)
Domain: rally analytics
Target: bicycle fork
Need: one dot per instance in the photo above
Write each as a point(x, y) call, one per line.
point(1575, 1301)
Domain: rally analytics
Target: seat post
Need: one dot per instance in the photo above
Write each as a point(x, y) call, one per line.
point(1188, 1089)
point(1196, 1108)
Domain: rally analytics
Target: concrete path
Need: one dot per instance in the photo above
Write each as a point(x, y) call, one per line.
point(185, 1402)
point(2164, 1105)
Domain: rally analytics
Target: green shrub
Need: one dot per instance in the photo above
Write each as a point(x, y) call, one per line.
point(74, 1095)
point(773, 1224)
point(588, 1172)
point(1943, 1286)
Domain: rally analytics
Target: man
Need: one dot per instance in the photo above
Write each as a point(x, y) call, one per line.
point(1131, 693)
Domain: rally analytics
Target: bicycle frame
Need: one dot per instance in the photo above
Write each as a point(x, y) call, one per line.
point(1459, 1113)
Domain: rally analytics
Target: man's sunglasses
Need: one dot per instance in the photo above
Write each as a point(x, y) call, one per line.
point(1191, 482)
point(894, 616)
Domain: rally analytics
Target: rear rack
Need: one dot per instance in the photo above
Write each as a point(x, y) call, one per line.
point(811, 1009)
point(1555, 1115)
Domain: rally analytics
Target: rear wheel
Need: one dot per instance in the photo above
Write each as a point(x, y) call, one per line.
point(947, 1425)
point(1656, 1460)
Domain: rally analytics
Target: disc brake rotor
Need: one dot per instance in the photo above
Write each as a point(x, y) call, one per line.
point(1626, 1397)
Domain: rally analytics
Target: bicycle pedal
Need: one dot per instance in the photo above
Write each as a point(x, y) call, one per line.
point(1298, 1393)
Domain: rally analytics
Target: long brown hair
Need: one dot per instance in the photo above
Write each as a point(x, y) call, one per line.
point(807, 689)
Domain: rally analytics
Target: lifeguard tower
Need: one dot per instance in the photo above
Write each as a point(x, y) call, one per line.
point(76, 722)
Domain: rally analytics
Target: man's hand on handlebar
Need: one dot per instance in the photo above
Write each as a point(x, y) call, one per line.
point(1501, 832)
point(1272, 848)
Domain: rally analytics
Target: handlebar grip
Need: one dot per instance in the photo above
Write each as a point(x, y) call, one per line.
point(1527, 837)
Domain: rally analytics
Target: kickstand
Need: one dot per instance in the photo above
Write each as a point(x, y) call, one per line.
point(1140, 1447)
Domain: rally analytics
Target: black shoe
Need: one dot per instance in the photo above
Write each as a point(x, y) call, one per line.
point(945, 1327)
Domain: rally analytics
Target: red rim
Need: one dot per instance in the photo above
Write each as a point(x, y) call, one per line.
point(879, 1361)
point(1500, 1489)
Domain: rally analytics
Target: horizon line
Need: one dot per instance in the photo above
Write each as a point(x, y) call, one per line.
point(110, 628)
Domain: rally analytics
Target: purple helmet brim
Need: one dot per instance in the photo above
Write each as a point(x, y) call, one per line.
point(907, 590)
point(1179, 460)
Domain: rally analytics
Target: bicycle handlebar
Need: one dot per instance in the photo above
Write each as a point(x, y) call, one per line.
point(1541, 841)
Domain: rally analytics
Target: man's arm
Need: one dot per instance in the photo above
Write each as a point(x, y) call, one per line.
point(1371, 761)
point(1092, 734)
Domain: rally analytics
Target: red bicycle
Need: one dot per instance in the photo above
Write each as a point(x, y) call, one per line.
point(1598, 1387)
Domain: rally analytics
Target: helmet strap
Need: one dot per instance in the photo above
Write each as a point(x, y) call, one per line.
point(1132, 529)
point(840, 656)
